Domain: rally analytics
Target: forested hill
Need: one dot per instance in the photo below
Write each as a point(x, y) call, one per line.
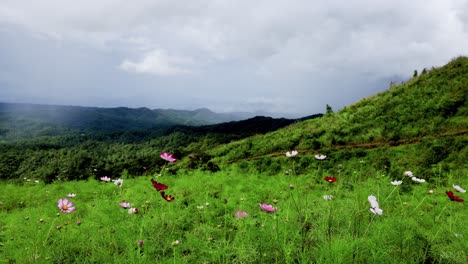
point(66, 154)
point(30, 120)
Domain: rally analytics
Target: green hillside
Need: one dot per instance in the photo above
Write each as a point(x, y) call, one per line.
point(428, 113)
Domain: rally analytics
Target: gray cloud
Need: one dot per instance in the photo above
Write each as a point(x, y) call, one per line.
point(283, 56)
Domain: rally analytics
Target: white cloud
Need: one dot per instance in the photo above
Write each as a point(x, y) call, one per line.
point(160, 63)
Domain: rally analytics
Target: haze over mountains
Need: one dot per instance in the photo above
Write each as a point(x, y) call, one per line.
point(30, 120)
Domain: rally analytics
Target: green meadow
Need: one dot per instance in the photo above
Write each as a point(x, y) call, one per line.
point(419, 223)
point(238, 198)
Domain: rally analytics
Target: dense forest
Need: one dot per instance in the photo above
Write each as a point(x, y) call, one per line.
point(66, 153)
point(420, 124)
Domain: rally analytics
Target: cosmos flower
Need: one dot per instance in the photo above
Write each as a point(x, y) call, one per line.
point(124, 205)
point(167, 157)
point(418, 180)
point(133, 210)
point(408, 173)
point(452, 197)
point(396, 183)
point(66, 206)
point(375, 209)
point(291, 154)
point(71, 195)
point(330, 179)
point(268, 208)
point(240, 214)
point(106, 179)
point(328, 197)
point(458, 188)
point(320, 157)
point(118, 182)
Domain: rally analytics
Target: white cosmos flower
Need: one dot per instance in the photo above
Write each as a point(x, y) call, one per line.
point(133, 210)
point(396, 183)
point(458, 188)
point(118, 182)
point(376, 211)
point(320, 157)
point(328, 197)
point(291, 154)
point(374, 205)
point(418, 180)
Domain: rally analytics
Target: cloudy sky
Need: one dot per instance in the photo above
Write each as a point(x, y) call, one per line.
point(280, 56)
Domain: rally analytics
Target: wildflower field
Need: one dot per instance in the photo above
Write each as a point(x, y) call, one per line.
point(342, 215)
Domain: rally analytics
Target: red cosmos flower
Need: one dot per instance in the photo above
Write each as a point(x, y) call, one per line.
point(159, 186)
point(330, 179)
point(453, 197)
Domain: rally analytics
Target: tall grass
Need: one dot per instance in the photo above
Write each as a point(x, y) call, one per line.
point(200, 225)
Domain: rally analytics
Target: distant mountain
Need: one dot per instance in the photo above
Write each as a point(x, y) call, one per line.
point(30, 120)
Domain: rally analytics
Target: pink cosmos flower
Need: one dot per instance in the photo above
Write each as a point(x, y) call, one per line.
point(66, 206)
point(106, 179)
point(268, 208)
point(168, 157)
point(408, 173)
point(124, 205)
point(241, 214)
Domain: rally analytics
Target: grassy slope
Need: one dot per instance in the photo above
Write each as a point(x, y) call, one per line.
point(432, 105)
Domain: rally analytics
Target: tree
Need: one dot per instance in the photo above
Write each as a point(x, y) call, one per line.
point(329, 109)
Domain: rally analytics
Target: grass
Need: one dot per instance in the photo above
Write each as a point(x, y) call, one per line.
point(416, 226)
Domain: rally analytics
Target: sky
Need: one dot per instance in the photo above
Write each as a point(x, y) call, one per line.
point(290, 57)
